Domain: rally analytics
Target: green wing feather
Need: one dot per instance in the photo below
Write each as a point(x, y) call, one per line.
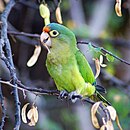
point(88, 75)
point(84, 68)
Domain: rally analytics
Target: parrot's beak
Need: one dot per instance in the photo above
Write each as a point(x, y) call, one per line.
point(45, 39)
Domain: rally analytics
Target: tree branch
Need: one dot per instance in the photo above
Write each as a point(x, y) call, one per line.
point(119, 41)
point(40, 91)
point(114, 41)
point(3, 109)
point(7, 58)
point(23, 38)
point(106, 51)
point(24, 34)
point(36, 91)
point(79, 42)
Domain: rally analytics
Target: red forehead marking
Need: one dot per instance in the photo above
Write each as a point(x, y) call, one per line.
point(46, 29)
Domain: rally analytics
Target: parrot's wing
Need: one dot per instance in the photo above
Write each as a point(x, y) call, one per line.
point(84, 67)
point(88, 76)
point(86, 71)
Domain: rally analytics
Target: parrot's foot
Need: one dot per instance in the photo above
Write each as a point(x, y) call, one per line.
point(73, 96)
point(63, 94)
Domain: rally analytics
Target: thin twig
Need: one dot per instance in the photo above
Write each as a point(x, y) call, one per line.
point(118, 41)
point(121, 42)
point(40, 91)
point(7, 58)
point(79, 42)
point(36, 91)
point(106, 51)
point(24, 34)
point(28, 40)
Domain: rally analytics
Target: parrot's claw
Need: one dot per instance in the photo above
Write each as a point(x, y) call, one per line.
point(73, 96)
point(63, 94)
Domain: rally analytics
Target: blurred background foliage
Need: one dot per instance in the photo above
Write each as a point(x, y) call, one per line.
point(92, 21)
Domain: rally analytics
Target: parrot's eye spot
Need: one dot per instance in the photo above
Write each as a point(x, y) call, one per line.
point(54, 33)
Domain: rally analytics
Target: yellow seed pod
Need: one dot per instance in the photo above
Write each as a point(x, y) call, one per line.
point(110, 125)
point(104, 127)
point(44, 11)
point(93, 115)
point(58, 15)
point(98, 68)
point(23, 113)
point(107, 126)
point(34, 57)
point(46, 20)
point(112, 112)
point(118, 8)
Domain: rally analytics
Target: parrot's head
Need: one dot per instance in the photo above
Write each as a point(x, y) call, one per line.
point(55, 33)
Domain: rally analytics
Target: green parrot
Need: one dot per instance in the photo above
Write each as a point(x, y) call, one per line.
point(65, 63)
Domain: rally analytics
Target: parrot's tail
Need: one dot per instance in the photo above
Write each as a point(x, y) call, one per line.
point(102, 98)
point(100, 89)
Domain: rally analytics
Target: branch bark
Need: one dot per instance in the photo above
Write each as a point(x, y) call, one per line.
point(3, 109)
point(106, 51)
point(79, 42)
point(6, 56)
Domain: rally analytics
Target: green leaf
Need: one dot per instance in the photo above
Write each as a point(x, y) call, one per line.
point(98, 49)
point(90, 46)
point(109, 58)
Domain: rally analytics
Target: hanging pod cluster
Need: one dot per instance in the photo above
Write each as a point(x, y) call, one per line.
point(45, 13)
point(103, 116)
point(30, 117)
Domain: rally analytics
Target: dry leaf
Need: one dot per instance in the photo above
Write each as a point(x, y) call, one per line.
point(58, 15)
point(34, 57)
point(107, 126)
point(104, 127)
point(101, 61)
point(32, 115)
point(97, 64)
point(118, 8)
point(110, 125)
point(118, 123)
point(35, 114)
point(6, 1)
point(112, 112)
point(93, 115)
point(32, 122)
point(24, 119)
point(103, 120)
point(2, 7)
point(103, 65)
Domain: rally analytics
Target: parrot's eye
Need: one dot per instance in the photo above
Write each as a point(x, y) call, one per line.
point(54, 33)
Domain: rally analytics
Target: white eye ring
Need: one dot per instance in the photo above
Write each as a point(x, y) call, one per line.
point(54, 33)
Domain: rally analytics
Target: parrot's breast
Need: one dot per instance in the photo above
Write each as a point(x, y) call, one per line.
point(62, 66)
